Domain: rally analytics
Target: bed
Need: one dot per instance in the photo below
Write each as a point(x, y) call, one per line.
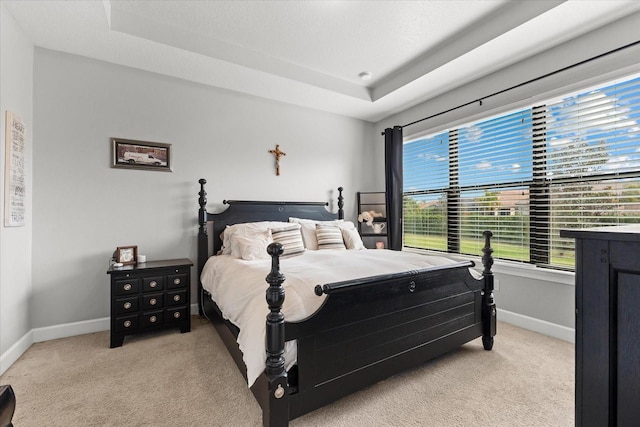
point(358, 331)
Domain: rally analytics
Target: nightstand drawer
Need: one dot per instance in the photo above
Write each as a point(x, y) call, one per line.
point(152, 318)
point(127, 324)
point(127, 287)
point(152, 284)
point(176, 281)
point(176, 298)
point(127, 305)
point(152, 301)
point(176, 314)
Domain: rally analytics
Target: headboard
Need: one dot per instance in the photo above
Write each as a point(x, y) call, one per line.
point(240, 211)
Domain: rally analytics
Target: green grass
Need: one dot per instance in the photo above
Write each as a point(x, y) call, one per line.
point(474, 247)
point(468, 246)
point(422, 241)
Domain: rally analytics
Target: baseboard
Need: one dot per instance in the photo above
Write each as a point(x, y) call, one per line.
point(541, 326)
point(97, 325)
point(64, 330)
point(10, 356)
point(70, 329)
point(79, 328)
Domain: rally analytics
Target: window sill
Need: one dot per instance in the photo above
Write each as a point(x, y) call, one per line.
point(510, 268)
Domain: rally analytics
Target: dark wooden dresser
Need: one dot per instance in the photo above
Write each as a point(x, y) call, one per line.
point(607, 325)
point(150, 296)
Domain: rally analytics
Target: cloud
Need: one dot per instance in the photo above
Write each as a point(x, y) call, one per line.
point(483, 165)
point(435, 157)
point(622, 163)
point(604, 112)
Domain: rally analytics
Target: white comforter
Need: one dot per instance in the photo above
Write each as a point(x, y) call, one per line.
point(238, 287)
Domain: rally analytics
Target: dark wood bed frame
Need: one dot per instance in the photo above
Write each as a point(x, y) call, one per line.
point(366, 330)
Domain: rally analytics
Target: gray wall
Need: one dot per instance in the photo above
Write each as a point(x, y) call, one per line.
point(530, 296)
point(16, 77)
point(84, 209)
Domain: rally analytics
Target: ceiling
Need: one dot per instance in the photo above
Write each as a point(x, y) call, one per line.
point(310, 53)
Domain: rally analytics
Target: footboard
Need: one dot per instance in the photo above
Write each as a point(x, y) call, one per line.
point(366, 333)
point(372, 328)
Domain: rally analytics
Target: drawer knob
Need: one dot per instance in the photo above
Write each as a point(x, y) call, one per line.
point(153, 301)
point(127, 323)
point(279, 393)
point(153, 284)
point(127, 287)
point(176, 298)
point(176, 314)
point(176, 281)
point(153, 319)
point(127, 305)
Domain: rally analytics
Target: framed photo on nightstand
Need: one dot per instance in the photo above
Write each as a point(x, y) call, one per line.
point(127, 254)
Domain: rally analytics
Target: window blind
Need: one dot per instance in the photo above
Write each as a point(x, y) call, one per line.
point(592, 154)
point(496, 169)
point(425, 180)
point(571, 162)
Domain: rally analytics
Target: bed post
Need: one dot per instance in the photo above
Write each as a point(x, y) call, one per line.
point(203, 239)
point(340, 203)
point(488, 304)
point(277, 413)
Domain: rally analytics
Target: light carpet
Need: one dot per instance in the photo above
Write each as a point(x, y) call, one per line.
point(172, 379)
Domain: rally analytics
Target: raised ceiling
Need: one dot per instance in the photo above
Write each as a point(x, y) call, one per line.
point(310, 53)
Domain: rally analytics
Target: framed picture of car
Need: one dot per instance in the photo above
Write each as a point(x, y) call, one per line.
point(131, 154)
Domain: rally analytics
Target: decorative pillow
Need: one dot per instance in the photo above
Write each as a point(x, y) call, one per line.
point(352, 239)
point(290, 238)
point(329, 237)
point(251, 247)
point(346, 225)
point(309, 230)
point(245, 229)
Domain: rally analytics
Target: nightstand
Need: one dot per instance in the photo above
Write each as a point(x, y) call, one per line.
point(150, 296)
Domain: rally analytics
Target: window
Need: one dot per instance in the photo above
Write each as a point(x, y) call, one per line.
point(572, 162)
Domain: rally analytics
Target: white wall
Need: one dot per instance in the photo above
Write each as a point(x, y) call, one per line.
point(83, 208)
point(16, 95)
point(539, 299)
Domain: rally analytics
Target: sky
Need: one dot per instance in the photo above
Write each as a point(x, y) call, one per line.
point(498, 150)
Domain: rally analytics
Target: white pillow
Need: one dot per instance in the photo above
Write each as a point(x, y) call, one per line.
point(245, 229)
point(309, 229)
point(290, 238)
point(346, 225)
point(251, 247)
point(352, 239)
point(329, 236)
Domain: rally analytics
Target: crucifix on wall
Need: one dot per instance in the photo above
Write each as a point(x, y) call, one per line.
point(277, 153)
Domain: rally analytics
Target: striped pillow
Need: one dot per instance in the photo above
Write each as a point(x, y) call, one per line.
point(290, 238)
point(329, 237)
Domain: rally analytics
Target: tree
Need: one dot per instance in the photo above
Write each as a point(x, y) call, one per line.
point(489, 203)
point(572, 202)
